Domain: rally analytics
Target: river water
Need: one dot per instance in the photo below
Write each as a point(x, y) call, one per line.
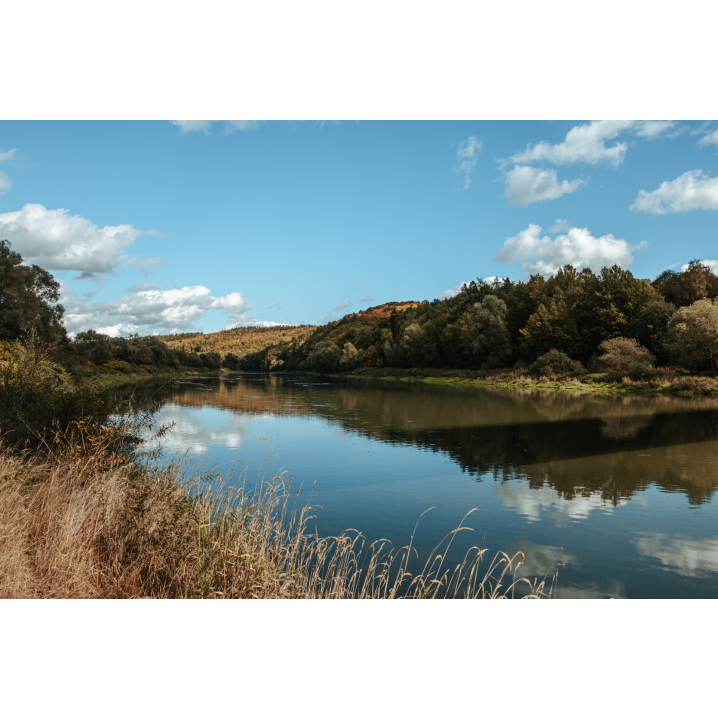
point(616, 493)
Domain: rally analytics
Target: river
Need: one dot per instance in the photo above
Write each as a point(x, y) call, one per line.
point(616, 493)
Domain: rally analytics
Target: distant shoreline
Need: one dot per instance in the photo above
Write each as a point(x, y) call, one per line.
point(589, 384)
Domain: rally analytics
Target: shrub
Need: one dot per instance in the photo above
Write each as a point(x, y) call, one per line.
point(40, 406)
point(621, 355)
point(121, 366)
point(555, 364)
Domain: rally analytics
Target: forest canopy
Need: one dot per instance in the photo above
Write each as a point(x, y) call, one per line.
point(505, 323)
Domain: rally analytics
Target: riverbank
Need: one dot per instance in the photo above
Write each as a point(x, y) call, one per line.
point(664, 381)
point(76, 527)
point(103, 378)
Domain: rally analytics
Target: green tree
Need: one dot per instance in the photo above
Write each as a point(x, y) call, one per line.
point(28, 300)
point(650, 325)
point(685, 288)
point(493, 345)
point(326, 357)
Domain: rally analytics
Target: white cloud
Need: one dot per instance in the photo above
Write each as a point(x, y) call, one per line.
point(692, 190)
point(341, 307)
point(561, 225)
point(710, 139)
point(141, 287)
point(153, 309)
point(55, 239)
point(467, 156)
point(526, 184)
point(147, 265)
point(587, 143)
point(5, 182)
point(230, 126)
point(578, 247)
point(449, 293)
point(711, 263)
point(192, 125)
point(654, 128)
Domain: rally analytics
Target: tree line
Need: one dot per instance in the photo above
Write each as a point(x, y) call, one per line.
point(576, 318)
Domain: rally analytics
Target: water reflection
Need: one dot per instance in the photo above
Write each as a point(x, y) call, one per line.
point(580, 446)
point(688, 557)
point(534, 503)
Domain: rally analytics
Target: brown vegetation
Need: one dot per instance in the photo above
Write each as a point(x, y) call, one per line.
point(71, 529)
point(239, 341)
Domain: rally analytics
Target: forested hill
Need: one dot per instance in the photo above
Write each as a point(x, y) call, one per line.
point(500, 324)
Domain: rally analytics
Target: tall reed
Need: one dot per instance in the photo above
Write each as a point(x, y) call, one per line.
point(73, 528)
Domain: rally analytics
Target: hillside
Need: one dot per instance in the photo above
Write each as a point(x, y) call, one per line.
point(239, 341)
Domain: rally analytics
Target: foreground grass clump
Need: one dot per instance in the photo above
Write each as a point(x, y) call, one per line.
point(73, 529)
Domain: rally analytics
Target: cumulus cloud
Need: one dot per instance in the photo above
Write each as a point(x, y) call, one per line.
point(154, 310)
point(230, 126)
point(694, 189)
point(55, 239)
point(342, 307)
point(467, 156)
point(710, 139)
point(526, 184)
point(578, 247)
point(7, 155)
point(587, 143)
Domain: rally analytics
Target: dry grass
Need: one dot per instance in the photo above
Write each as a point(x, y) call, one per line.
point(71, 530)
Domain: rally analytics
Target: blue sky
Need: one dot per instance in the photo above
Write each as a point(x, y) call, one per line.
point(159, 226)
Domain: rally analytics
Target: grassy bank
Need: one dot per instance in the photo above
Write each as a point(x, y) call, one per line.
point(665, 381)
point(101, 378)
point(73, 528)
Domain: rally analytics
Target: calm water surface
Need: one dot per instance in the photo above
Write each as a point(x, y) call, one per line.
point(616, 491)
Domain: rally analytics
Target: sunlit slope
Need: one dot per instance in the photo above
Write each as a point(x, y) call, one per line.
point(239, 341)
